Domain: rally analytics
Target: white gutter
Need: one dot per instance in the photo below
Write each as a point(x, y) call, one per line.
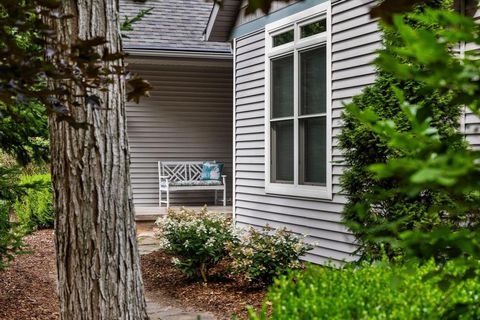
point(179, 54)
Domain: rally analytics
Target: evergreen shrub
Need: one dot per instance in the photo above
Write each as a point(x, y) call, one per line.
point(34, 210)
point(376, 208)
point(377, 291)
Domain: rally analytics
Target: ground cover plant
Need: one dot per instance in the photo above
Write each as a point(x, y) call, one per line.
point(371, 291)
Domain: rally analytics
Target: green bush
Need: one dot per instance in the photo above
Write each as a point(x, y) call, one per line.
point(197, 241)
point(34, 210)
point(262, 255)
point(376, 209)
point(10, 237)
point(378, 291)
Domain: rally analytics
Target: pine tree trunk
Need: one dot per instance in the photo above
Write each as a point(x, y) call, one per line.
point(98, 262)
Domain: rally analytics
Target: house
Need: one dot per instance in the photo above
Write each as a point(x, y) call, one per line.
point(189, 114)
point(292, 72)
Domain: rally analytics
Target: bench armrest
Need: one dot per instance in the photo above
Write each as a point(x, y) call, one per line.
point(164, 177)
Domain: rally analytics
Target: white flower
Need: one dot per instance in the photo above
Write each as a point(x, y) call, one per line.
point(210, 242)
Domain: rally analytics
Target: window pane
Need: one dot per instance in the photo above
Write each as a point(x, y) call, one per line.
point(282, 87)
point(282, 151)
point(313, 28)
point(313, 151)
point(313, 77)
point(283, 38)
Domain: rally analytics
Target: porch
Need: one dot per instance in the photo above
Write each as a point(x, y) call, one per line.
point(149, 214)
point(188, 118)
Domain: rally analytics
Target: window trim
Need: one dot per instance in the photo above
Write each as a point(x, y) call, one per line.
point(296, 21)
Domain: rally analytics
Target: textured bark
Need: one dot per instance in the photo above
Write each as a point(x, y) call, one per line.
point(97, 257)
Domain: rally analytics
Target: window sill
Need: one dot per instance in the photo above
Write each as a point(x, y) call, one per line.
point(301, 191)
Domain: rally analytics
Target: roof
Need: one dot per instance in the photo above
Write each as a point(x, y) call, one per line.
point(221, 20)
point(173, 25)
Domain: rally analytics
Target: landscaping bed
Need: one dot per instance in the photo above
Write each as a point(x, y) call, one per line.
point(223, 296)
point(27, 287)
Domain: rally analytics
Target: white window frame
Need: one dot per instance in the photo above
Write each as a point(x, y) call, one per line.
point(296, 21)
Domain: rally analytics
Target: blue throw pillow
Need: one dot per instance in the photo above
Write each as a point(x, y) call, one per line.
point(212, 171)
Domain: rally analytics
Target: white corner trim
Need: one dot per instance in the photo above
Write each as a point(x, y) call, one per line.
point(293, 21)
point(234, 134)
point(211, 21)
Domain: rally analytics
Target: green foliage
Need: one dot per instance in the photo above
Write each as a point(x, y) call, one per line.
point(32, 54)
point(10, 235)
point(429, 162)
point(23, 132)
point(379, 291)
point(262, 255)
point(34, 210)
point(377, 208)
point(197, 241)
point(127, 24)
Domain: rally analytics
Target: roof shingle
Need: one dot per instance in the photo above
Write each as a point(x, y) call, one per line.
point(175, 25)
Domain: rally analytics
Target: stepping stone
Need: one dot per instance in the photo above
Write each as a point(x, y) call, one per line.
point(158, 312)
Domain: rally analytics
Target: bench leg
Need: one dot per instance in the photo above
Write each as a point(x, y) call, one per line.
point(224, 196)
point(160, 197)
point(168, 198)
point(215, 197)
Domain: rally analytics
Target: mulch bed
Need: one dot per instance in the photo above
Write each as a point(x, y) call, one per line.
point(223, 296)
point(27, 287)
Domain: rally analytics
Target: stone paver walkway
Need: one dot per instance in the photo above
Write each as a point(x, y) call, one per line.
point(161, 309)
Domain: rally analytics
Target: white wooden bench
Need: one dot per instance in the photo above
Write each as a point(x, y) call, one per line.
point(185, 175)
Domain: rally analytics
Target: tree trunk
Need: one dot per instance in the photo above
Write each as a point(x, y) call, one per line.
point(98, 262)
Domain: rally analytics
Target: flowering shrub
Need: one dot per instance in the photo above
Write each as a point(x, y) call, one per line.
point(197, 241)
point(261, 255)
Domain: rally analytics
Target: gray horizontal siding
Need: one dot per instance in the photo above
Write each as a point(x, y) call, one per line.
point(471, 121)
point(187, 118)
point(354, 40)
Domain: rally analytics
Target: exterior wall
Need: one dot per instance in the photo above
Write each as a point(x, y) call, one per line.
point(354, 39)
point(187, 117)
point(242, 18)
point(471, 124)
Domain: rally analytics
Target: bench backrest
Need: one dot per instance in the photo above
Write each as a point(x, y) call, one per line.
point(181, 170)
